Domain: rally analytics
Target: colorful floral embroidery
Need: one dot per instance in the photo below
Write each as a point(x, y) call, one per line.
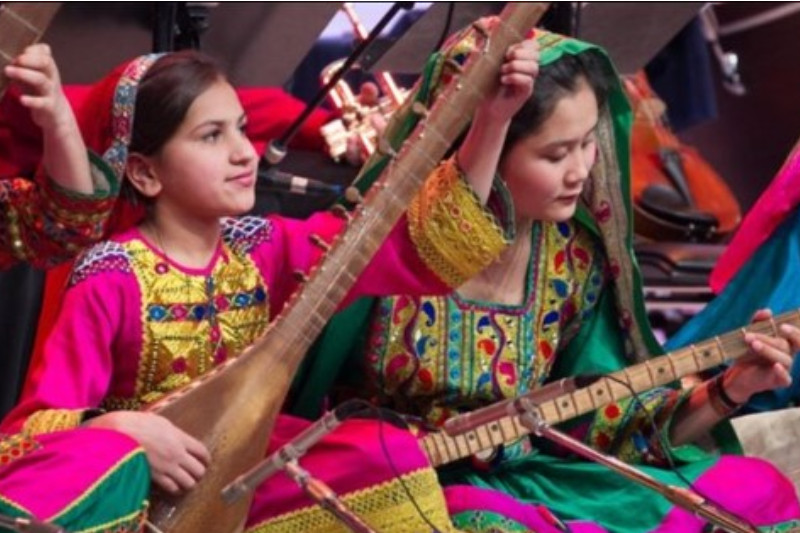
point(245, 233)
point(434, 356)
point(44, 224)
point(624, 428)
point(13, 447)
point(192, 322)
point(104, 257)
point(202, 311)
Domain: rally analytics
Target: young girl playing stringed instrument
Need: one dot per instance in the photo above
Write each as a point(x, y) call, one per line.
point(564, 300)
point(185, 289)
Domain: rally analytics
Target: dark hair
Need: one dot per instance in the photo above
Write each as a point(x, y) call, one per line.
point(555, 81)
point(165, 94)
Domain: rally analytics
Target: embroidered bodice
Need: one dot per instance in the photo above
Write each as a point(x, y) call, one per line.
point(431, 356)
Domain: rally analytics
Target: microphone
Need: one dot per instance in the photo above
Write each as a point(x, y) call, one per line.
point(275, 180)
point(514, 406)
point(292, 450)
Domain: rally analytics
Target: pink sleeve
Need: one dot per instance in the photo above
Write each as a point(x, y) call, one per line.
point(396, 268)
point(769, 211)
point(77, 364)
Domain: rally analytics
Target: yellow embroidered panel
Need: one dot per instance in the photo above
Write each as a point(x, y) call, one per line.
point(50, 420)
point(435, 356)
point(454, 234)
point(384, 507)
point(192, 322)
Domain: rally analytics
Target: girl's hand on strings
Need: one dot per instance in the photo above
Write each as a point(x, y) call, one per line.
point(768, 364)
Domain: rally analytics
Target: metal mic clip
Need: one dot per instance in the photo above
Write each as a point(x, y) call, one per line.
point(291, 451)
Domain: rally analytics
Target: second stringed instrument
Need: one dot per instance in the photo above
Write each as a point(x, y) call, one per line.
point(441, 448)
point(21, 24)
point(233, 409)
point(677, 195)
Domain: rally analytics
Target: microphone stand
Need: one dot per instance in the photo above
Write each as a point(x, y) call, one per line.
point(685, 498)
point(326, 497)
point(276, 150)
point(28, 525)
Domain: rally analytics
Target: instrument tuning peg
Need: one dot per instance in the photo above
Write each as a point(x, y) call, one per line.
point(353, 195)
point(479, 27)
point(420, 109)
point(484, 33)
point(452, 64)
point(341, 212)
point(318, 241)
point(385, 148)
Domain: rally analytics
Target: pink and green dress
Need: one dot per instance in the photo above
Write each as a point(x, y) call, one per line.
point(431, 357)
point(135, 325)
point(84, 480)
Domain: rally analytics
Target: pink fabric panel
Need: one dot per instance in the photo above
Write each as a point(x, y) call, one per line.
point(743, 486)
point(348, 459)
point(779, 199)
point(83, 456)
point(396, 268)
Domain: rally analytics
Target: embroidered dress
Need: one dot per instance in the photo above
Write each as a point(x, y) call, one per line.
point(432, 357)
point(135, 325)
point(44, 224)
point(84, 480)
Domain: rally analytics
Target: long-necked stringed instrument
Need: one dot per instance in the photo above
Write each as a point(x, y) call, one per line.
point(233, 409)
point(442, 449)
point(21, 24)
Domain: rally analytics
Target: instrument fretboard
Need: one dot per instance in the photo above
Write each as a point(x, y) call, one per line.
point(442, 448)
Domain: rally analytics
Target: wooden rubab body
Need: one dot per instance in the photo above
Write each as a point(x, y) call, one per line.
point(234, 408)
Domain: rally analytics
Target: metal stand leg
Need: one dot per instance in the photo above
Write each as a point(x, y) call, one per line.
point(681, 497)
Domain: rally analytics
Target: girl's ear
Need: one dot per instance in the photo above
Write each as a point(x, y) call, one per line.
point(139, 170)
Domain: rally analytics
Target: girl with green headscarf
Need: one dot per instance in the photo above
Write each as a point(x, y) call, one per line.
point(565, 299)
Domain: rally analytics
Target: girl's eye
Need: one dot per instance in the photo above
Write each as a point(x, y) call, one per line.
point(557, 157)
point(212, 136)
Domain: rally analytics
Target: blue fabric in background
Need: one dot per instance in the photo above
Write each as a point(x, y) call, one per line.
point(681, 75)
point(770, 279)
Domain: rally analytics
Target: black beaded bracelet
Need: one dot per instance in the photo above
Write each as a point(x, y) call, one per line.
point(723, 396)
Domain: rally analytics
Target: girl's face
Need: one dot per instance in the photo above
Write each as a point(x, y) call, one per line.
point(546, 170)
point(208, 167)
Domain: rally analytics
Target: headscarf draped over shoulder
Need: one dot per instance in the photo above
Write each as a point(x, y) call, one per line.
point(106, 123)
point(605, 210)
